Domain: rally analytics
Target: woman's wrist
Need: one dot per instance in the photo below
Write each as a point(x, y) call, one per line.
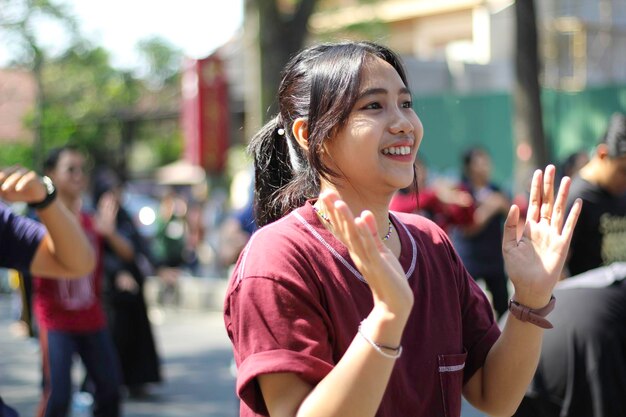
point(390, 352)
point(384, 328)
point(532, 300)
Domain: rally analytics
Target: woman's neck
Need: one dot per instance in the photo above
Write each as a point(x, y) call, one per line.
point(72, 203)
point(358, 203)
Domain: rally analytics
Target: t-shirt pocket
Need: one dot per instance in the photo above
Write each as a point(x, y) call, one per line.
point(451, 380)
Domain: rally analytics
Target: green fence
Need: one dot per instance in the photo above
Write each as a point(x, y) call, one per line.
point(452, 123)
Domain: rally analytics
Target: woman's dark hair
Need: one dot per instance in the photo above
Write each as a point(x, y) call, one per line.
point(320, 84)
point(53, 156)
point(467, 157)
point(615, 136)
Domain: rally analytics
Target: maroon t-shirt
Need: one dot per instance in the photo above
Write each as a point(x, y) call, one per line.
point(295, 301)
point(72, 305)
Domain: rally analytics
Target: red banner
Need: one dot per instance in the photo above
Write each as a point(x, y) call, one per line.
point(204, 113)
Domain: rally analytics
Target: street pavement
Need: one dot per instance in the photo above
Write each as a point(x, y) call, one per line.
point(195, 355)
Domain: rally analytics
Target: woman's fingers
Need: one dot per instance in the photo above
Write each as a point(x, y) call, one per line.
point(27, 178)
point(359, 234)
point(13, 176)
point(558, 212)
point(509, 233)
point(572, 218)
point(534, 200)
point(547, 194)
point(341, 218)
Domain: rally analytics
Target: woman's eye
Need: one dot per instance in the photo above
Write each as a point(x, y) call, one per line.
point(374, 105)
point(407, 104)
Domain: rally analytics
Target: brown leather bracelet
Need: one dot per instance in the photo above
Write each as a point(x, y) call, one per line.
point(536, 317)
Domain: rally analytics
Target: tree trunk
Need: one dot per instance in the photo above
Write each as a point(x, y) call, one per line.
point(530, 145)
point(280, 37)
point(40, 104)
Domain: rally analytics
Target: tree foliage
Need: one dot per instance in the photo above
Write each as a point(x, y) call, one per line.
point(163, 61)
point(82, 99)
point(19, 23)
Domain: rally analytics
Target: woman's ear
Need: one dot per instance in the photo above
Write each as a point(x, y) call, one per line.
point(300, 131)
point(602, 151)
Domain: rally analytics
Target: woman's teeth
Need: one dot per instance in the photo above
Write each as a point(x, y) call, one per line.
point(399, 150)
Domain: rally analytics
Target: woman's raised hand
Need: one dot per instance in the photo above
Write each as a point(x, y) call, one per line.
point(374, 260)
point(534, 261)
point(21, 184)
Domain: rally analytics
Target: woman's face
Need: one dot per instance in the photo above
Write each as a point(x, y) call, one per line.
point(69, 174)
point(479, 168)
point(376, 149)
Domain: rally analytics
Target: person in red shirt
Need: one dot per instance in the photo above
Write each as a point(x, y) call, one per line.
point(58, 245)
point(336, 314)
point(440, 201)
point(61, 248)
point(69, 312)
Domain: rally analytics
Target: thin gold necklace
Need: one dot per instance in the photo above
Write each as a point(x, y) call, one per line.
point(324, 217)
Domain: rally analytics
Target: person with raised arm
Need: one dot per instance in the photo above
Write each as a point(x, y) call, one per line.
point(58, 246)
point(337, 307)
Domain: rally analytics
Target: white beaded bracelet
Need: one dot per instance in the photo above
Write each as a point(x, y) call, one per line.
point(397, 351)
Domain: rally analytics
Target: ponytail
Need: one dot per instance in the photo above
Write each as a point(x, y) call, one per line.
point(283, 179)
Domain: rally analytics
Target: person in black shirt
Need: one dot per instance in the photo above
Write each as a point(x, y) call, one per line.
point(600, 235)
point(582, 368)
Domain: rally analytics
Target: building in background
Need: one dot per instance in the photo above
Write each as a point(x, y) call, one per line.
point(468, 45)
point(17, 97)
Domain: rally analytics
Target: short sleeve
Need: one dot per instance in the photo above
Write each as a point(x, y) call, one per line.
point(276, 325)
point(19, 239)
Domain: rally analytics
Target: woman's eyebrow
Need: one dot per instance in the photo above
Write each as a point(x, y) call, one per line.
point(379, 90)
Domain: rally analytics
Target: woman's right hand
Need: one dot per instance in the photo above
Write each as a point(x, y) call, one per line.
point(21, 184)
point(393, 297)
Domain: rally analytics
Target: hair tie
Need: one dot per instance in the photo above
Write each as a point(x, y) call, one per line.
point(280, 131)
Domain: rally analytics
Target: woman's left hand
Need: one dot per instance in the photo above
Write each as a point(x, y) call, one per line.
point(534, 261)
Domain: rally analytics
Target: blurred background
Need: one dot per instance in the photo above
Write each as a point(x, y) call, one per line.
point(144, 84)
point(167, 94)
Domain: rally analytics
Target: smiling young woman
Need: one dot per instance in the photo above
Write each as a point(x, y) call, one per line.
point(328, 319)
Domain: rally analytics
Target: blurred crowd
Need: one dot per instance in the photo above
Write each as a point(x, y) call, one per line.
point(155, 237)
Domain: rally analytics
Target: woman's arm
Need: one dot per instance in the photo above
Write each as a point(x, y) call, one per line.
point(354, 387)
point(65, 250)
point(533, 263)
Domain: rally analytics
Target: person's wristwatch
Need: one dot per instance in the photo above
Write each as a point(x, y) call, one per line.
point(536, 317)
point(51, 193)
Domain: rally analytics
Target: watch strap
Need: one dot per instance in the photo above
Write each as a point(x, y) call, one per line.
point(51, 193)
point(534, 316)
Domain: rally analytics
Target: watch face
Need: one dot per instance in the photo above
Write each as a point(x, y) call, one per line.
point(49, 185)
point(50, 195)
